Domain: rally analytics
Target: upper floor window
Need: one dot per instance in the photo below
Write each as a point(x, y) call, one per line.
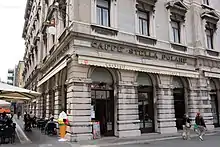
point(210, 22)
point(103, 12)
point(210, 28)
point(206, 2)
point(175, 31)
point(177, 12)
point(144, 23)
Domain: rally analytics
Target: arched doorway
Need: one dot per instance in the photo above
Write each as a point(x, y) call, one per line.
point(102, 94)
point(214, 103)
point(145, 103)
point(179, 101)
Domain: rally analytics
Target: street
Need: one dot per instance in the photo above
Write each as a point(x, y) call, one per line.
point(209, 141)
point(39, 140)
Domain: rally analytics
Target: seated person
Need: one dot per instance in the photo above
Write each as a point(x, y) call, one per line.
point(51, 126)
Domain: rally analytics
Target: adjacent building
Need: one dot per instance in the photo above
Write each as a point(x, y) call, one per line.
point(136, 66)
point(11, 77)
point(19, 74)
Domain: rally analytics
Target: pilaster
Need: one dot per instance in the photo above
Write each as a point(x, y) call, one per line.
point(57, 103)
point(199, 101)
point(165, 109)
point(47, 96)
point(79, 110)
point(127, 106)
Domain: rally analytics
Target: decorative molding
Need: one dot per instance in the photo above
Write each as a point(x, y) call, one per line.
point(144, 5)
point(104, 30)
point(146, 39)
point(212, 53)
point(177, 9)
point(179, 47)
point(211, 16)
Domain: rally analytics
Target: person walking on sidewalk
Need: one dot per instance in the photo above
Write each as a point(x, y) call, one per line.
point(201, 127)
point(19, 114)
point(186, 127)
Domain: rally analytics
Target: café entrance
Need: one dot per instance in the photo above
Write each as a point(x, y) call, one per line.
point(145, 103)
point(214, 103)
point(102, 105)
point(179, 101)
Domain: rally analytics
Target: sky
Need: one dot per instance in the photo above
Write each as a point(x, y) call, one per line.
point(11, 41)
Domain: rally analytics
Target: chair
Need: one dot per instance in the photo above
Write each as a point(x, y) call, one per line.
point(51, 129)
point(9, 133)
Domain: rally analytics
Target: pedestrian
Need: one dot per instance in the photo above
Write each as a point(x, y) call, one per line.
point(19, 114)
point(200, 126)
point(31, 118)
point(186, 127)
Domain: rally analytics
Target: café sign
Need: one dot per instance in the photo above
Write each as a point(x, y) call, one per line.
point(138, 52)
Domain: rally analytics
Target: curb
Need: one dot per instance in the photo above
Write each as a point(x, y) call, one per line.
point(21, 135)
point(171, 137)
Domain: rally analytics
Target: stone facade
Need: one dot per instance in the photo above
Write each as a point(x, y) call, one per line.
point(65, 44)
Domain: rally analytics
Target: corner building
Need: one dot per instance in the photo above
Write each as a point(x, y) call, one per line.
point(136, 66)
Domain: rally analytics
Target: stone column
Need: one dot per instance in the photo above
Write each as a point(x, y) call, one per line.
point(166, 113)
point(79, 101)
point(218, 97)
point(47, 96)
point(199, 101)
point(127, 106)
point(57, 102)
point(39, 106)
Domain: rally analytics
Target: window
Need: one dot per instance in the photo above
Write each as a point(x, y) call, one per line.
point(175, 31)
point(53, 39)
point(144, 23)
point(103, 12)
point(206, 2)
point(209, 35)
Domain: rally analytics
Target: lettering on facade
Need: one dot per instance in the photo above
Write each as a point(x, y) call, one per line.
point(138, 52)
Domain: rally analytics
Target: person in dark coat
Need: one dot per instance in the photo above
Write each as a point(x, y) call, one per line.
point(201, 125)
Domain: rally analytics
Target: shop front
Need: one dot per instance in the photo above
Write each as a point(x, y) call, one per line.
point(102, 95)
point(148, 93)
point(145, 103)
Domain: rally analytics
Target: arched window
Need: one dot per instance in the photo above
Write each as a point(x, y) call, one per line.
point(101, 79)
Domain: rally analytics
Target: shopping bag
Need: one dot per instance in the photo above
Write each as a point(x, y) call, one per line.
point(196, 126)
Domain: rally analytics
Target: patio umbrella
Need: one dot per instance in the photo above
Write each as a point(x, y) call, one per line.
point(2, 110)
point(13, 92)
point(4, 103)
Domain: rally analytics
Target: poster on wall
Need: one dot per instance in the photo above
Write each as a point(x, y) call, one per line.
point(92, 112)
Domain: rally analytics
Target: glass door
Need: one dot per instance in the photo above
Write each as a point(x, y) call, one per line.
point(146, 111)
point(103, 106)
point(179, 106)
point(215, 112)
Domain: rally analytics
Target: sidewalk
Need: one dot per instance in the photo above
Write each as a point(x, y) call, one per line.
point(42, 140)
point(145, 138)
point(36, 138)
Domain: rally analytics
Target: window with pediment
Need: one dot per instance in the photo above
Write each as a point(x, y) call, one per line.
point(104, 17)
point(145, 21)
point(210, 20)
point(177, 12)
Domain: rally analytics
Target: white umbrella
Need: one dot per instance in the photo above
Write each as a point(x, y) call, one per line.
point(13, 92)
point(4, 103)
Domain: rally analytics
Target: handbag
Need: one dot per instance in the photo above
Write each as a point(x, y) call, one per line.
point(188, 125)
